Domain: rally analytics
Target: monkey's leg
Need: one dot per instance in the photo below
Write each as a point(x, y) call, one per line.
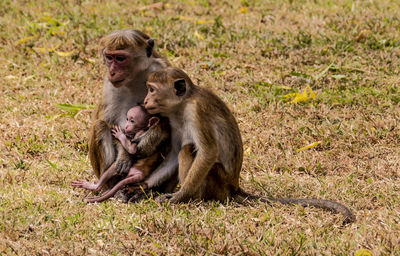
point(134, 175)
point(140, 191)
point(106, 176)
point(217, 186)
point(101, 147)
point(195, 178)
point(186, 157)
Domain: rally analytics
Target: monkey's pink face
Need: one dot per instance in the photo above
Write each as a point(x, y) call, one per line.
point(136, 120)
point(119, 66)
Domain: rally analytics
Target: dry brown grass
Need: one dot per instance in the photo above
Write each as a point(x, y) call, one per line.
point(251, 53)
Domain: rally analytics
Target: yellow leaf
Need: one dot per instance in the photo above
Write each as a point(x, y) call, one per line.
point(148, 14)
point(24, 40)
point(363, 252)
point(10, 77)
point(290, 95)
point(311, 93)
point(28, 78)
point(204, 21)
point(301, 97)
point(43, 49)
point(243, 10)
point(185, 18)
point(57, 32)
point(247, 151)
point(40, 49)
point(312, 145)
point(198, 35)
point(91, 60)
point(64, 54)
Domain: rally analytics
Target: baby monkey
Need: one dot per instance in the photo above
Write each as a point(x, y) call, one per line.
point(137, 123)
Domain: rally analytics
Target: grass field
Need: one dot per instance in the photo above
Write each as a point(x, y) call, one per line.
point(255, 55)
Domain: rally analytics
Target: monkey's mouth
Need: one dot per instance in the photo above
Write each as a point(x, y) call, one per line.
point(150, 109)
point(118, 82)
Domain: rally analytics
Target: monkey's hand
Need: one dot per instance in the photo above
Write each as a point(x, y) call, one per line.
point(124, 162)
point(117, 132)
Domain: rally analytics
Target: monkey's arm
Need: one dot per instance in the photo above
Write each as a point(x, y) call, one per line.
point(148, 143)
point(196, 175)
point(128, 145)
point(124, 160)
point(165, 171)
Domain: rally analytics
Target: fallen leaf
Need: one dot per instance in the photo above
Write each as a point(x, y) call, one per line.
point(185, 18)
point(204, 21)
point(312, 145)
point(24, 40)
point(363, 252)
point(243, 10)
point(64, 54)
point(306, 95)
point(198, 35)
point(247, 151)
point(10, 77)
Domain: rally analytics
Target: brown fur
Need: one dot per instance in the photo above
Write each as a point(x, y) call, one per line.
point(117, 99)
point(138, 172)
point(208, 140)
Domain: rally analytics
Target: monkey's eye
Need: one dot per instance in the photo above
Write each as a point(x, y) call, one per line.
point(120, 58)
point(109, 57)
point(151, 89)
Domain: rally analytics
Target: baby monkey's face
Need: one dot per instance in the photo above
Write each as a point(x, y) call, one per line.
point(136, 120)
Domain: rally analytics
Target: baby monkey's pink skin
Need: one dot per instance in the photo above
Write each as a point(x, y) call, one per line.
point(138, 121)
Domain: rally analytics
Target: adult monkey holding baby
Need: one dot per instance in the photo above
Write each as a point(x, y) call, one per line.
point(129, 56)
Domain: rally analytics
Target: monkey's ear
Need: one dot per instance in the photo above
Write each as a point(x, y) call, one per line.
point(153, 121)
point(180, 87)
point(150, 46)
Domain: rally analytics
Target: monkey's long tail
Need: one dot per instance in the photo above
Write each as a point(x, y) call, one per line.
point(305, 202)
point(112, 191)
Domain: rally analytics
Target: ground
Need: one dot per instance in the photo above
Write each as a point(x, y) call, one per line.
point(338, 138)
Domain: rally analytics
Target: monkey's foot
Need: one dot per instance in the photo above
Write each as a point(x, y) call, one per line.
point(140, 195)
point(85, 184)
point(123, 165)
point(97, 199)
point(136, 187)
point(164, 198)
point(122, 196)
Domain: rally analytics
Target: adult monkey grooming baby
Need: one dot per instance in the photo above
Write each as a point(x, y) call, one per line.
point(129, 57)
point(207, 137)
